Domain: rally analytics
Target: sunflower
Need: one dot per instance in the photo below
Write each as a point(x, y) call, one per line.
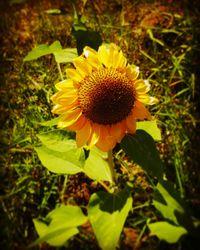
point(101, 99)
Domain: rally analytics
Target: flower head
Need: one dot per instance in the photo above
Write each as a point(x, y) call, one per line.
point(102, 98)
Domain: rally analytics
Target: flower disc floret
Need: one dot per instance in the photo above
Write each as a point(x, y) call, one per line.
point(106, 96)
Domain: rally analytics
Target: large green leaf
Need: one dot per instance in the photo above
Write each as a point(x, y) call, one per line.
point(151, 128)
point(172, 207)
point(96, 167)
point(57, 237)
point(63, 225)
point(141, 148)
point(83, 36)
point(60, 154)
point(87, 38)
point(42, 50)
point(166, 231)
point(57, 142)
point(107, 214)
point(70, 216)
point(166, 204)
point(68, 162)
point(65, 55)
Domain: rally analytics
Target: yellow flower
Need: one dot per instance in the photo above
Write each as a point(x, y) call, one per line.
point(102, 97)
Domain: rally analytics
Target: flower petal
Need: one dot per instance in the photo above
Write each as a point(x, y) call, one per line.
point(68, 101)
point(60, 109)
point(83, 135)
point(78, 124)
point(142, 86)
point(69, 118)
point(106, 142)
point(146, 99)
point(131, 124)
point(74, 75)
point(95, 135)
point(132, 72)
point(82, 66)
point(116, 130)
point(122, 61)
point(65, 84)
point(103, 55)
point(64, 95)
point(92, 57)
point(140, 112)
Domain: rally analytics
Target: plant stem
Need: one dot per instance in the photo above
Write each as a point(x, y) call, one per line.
point(60, 72)
point(111, 165)
point(105, 186)
point(63, 189)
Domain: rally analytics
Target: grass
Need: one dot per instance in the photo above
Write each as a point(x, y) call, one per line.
point(162, 38)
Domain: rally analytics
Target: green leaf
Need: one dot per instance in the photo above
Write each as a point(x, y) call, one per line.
point(62, 226)
point(107, 214)
point(68, 162)
point(70, 216)
point(42, 50)
point(65, 55)
point(87, 38)
point(172, 207)
point(57, 142)
point(151, 128)
point(50, 123)
point(96, 167)
point(60, 154)
point(166, 204)
point(57, 237)
point(166, 231)
point(83, 36)
point(141, 148)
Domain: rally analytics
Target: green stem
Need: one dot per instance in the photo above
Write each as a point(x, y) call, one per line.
point(105, 186)
point(111, 165)
point(178, 176)
point(60, 72)
point(63, 189)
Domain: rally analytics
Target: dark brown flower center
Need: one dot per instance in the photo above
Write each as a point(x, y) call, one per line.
point(106, 96)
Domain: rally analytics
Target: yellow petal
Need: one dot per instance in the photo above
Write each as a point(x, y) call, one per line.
point(82, 66)
point(122, 61)
point(83, 135)
point(92, 57)
point(69, 118)
point(103, 55)
point(87, 52)
point(115, 58)
point(60, 109)
point(74, 75)
point(153, 100)
point(67, 101)
point(132, 72)
point(142, 86)
point(64, 95)
point(147, 99)
point(94, 135)
point(65, 84)
point(68, 93)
